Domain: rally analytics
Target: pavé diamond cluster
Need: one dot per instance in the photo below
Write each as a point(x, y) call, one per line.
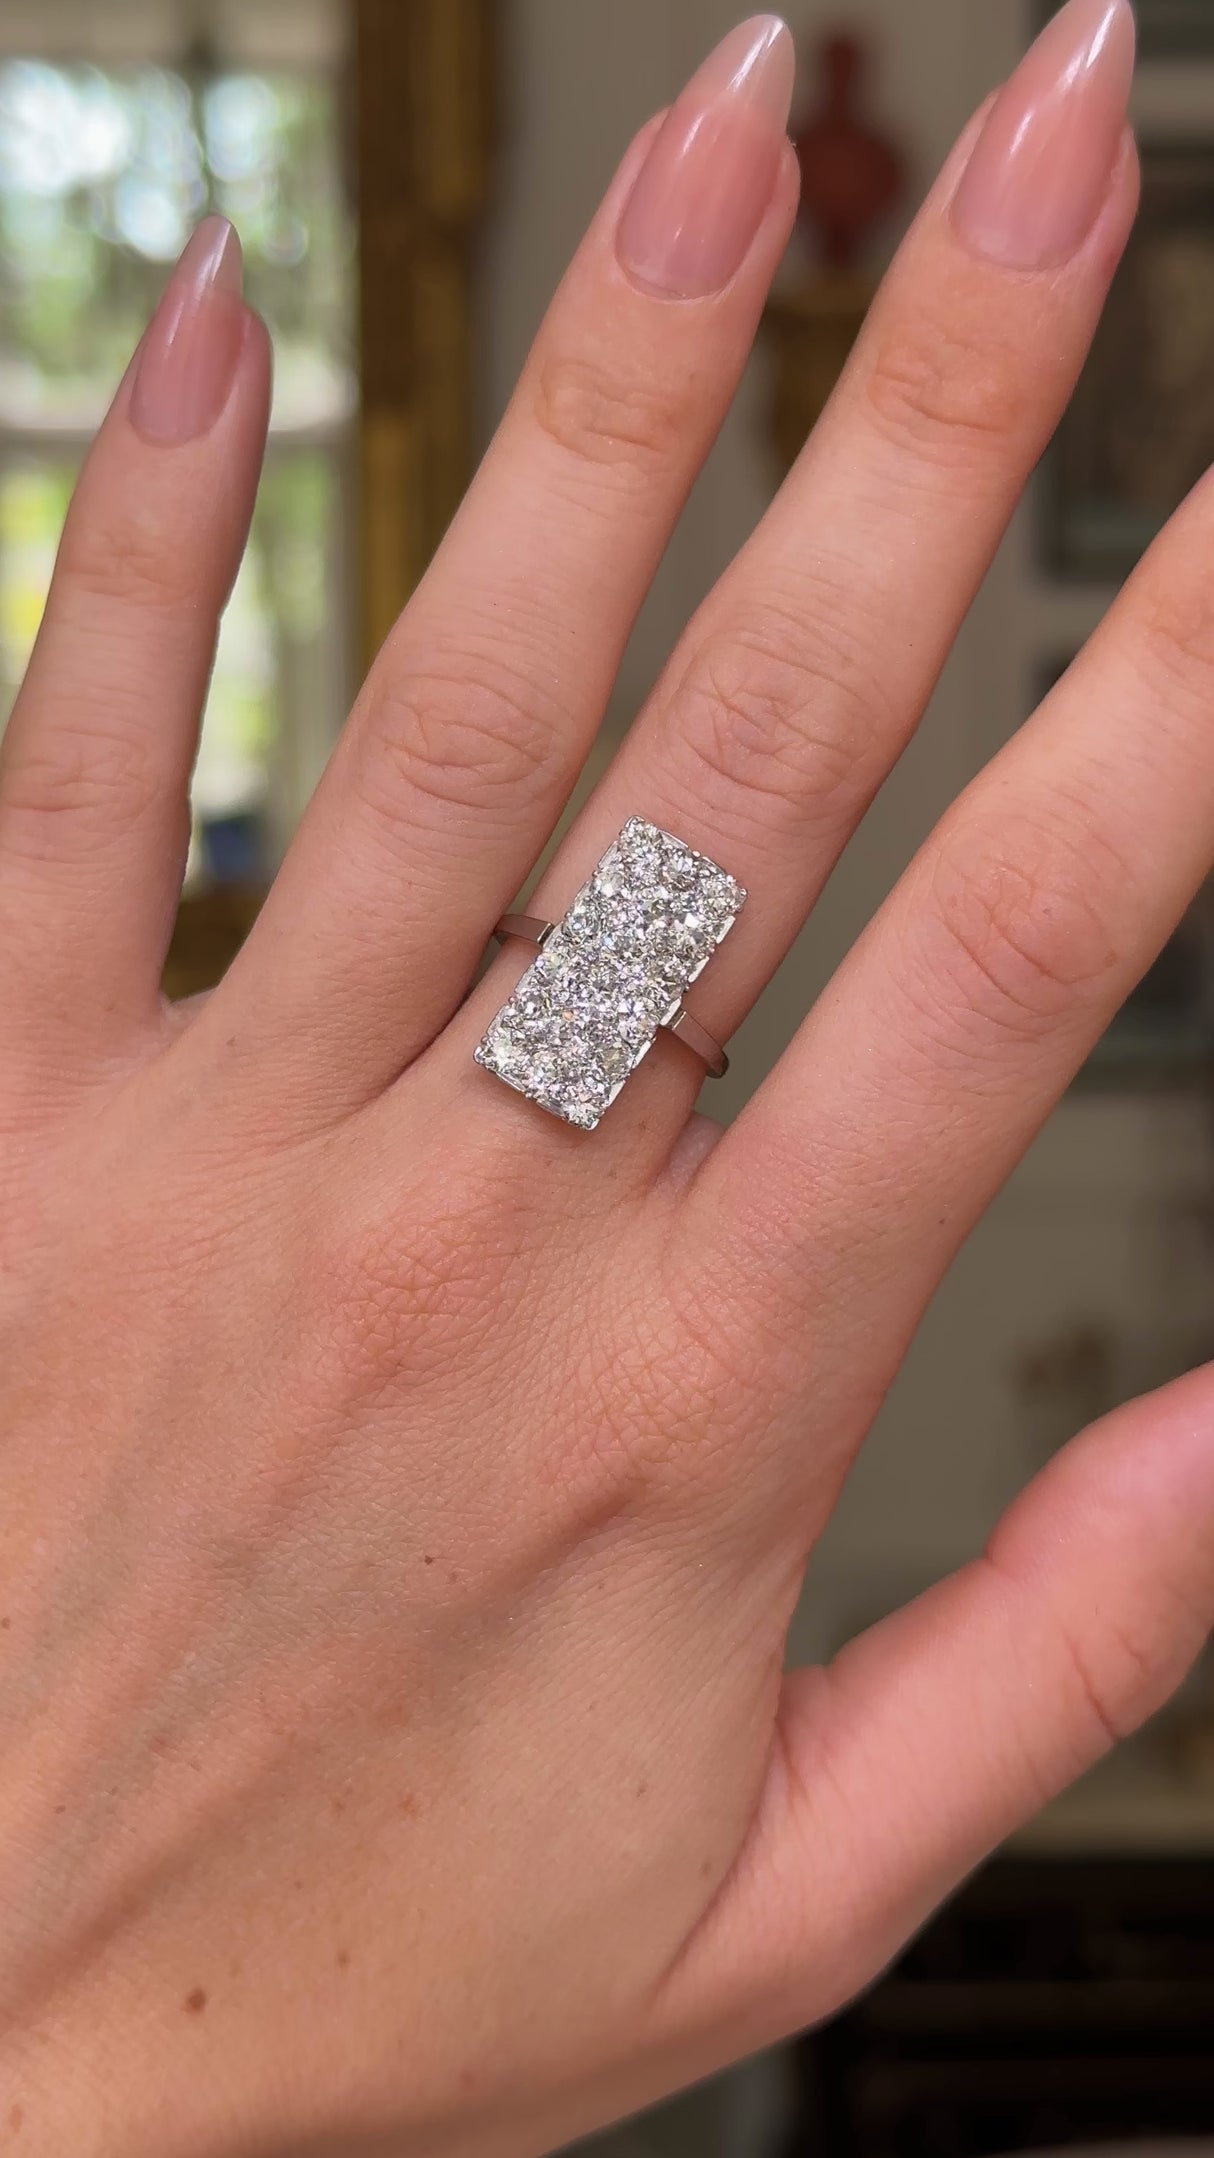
point(635, 938)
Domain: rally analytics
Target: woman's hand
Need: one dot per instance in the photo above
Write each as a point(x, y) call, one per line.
point(405, 1495)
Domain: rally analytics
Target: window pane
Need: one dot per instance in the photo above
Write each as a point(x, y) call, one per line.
point(34, 496)
point(277, 676)
point(272, 690)
point(103, 173)
point(102, 176)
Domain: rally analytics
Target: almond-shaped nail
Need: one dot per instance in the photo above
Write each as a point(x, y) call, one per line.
point(1041, 169)
point(187, 361)
point(703, 191)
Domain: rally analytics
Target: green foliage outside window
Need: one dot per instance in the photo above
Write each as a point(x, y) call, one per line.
point(102, 177)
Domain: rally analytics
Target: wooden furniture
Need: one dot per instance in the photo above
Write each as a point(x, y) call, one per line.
point(422, 128)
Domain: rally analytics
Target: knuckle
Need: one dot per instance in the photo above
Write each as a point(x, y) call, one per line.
point(102, 777)
point(593, 1467)
point(694, 1379)
point(1128, 1669)
point(127, 560)
point(947, 387)
point(1174, 618)
point(640, 1403)
point(674, 1382)
point(1025, 934)
point(420, 1305)
point(474, 739)
point(772, 723)
point(603, 417)
point(403, 1288)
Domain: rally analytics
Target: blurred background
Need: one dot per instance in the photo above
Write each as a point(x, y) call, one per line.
point(409, 178)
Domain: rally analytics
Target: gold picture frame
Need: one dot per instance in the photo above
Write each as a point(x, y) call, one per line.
point(423, 110)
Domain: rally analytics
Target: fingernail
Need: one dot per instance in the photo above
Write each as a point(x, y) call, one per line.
point(188, 358)
point(1041, 168)
point(702, 192)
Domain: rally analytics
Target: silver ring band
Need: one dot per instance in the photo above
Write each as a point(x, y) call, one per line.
point(612, 974)
point(532, 930)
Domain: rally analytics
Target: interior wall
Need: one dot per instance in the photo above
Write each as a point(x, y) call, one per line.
point(284, 33)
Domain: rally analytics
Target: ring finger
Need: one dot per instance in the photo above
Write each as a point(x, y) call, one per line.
point(477, 715)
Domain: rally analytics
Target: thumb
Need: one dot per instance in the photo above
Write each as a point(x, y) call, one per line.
point(940, 1731)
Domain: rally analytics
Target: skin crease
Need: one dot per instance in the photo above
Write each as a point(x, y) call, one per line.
point(404, 1498)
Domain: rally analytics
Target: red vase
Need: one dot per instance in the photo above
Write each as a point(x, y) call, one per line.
point(851, 177)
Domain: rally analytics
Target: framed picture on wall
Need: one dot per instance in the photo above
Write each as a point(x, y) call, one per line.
point(1140, 429)
point(1167, 29)
point(1164, 1033)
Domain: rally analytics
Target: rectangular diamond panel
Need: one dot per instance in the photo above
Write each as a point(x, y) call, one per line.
point(632, 943)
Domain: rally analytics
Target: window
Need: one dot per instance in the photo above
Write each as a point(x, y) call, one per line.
point(107, 160)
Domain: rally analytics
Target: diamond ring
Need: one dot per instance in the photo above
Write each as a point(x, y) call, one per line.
point(612, 972)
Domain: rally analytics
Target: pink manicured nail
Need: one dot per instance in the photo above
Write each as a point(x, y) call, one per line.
point(188, 357)
point(702, 192)
point(1042, 165)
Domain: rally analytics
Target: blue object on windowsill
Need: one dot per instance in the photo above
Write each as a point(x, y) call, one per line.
point(233, 850)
